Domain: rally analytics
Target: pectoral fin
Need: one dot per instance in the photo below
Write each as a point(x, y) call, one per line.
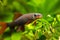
point(28, 22)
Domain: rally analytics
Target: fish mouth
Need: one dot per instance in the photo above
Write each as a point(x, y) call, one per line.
point(39, 17)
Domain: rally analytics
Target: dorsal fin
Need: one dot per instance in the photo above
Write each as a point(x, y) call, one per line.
point(16, 15)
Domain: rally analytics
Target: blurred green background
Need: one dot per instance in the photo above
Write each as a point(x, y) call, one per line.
point(47, 28)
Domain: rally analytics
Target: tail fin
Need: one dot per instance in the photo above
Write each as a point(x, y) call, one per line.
point(3, 26)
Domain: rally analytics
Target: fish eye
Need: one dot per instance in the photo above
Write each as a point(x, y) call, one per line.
point(34, 14)
point(37, 15)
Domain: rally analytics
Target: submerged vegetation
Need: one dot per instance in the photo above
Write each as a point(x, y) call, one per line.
point(47, 28)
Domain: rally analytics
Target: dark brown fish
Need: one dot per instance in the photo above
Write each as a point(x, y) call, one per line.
point(20, 21)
